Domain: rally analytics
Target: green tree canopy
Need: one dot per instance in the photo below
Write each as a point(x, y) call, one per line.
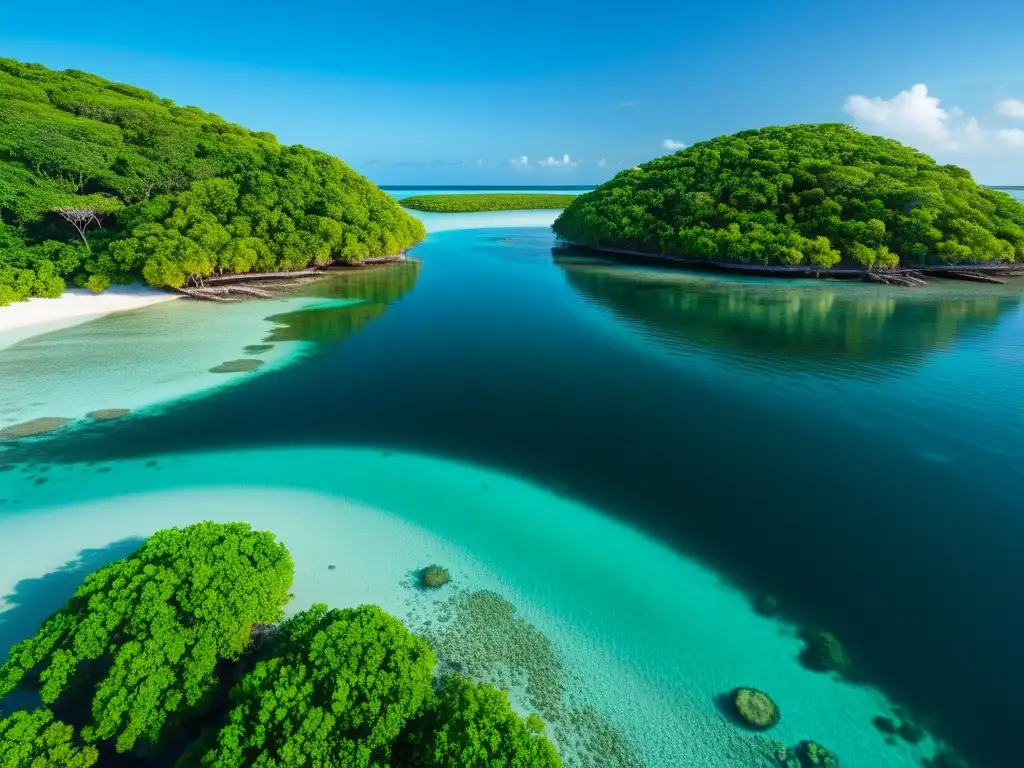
point(810, 195)
point(179, 193)
point(36, 740)
point(145, 634)
point(160, 655)
point(475, 725)
point(338, 689)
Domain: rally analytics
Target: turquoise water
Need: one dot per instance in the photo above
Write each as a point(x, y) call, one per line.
point(626, 455)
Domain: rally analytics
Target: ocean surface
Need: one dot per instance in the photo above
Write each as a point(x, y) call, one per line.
point(628, 456)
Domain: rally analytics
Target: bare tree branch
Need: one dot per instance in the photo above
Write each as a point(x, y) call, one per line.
point(81, 219)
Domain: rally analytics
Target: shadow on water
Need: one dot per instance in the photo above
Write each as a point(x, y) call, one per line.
point(35, 600)
point(376, 288)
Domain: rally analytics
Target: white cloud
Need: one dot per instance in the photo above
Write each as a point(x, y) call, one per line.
point(911, 114)
point(565, 162)
point(917, 118)
point(602, 163)
point(1010, 108)
point(1012, 137)
point(672, 144)
point(553, 162)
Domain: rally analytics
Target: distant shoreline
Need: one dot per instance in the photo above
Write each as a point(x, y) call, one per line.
point(487, 202)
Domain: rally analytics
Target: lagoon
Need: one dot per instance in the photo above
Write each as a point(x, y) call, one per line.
point(627, 455)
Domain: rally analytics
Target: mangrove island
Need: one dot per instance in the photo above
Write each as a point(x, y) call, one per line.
point(810, 198)
point(501, 201)
point(102, 183)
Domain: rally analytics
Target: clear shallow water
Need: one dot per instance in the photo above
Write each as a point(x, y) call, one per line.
point(140, 359)
point(851, 449)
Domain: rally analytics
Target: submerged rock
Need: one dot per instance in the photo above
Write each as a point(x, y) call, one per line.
point(105, 414)
point(814, 755)
point(885, 724)
point(433, 577)
point(755, 708)
point(237, 366)
point(257, 349)
point(33, 427)
point(824, 653)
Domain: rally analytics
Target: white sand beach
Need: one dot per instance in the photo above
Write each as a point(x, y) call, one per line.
point(133, 360)
point(24, 319)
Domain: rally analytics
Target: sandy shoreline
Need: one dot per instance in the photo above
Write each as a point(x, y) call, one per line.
point(29, 318)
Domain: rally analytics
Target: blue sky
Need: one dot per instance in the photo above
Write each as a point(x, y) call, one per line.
point(458, 92)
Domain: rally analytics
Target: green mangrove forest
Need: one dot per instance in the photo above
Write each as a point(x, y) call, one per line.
point(819, 196)
point(501, 201)
point(179, 654)
point(105, 183)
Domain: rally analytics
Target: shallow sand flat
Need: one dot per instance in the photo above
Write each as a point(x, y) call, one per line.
point(649, 637)
point(133, 360)
point(24, 319)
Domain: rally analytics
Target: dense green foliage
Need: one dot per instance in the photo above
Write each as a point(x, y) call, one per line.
point(154, 627)
point(36, 740)
point(811, 195)
point(168, 654)
point(475, 725)
point(491, 202)
point(338, 690)
point(178, 193)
